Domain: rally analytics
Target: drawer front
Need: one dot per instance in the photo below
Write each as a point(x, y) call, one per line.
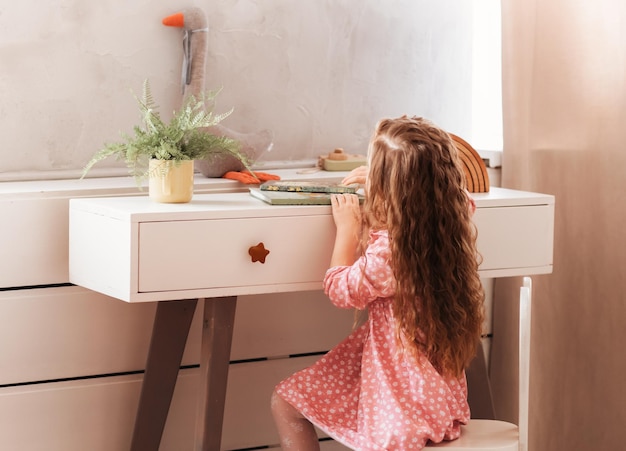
point(515, 237)
point(188, 255)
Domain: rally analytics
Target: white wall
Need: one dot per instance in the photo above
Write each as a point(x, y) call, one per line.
point(317, 73)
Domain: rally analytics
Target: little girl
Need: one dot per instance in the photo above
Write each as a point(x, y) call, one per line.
point(397, 381)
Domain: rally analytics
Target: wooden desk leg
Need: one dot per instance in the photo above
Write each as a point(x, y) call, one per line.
point(169, 335)
point(217, 333)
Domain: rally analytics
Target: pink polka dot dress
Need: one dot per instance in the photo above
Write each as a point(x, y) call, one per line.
point(366, 393)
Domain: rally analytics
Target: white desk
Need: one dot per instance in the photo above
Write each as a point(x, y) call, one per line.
point(136, 250)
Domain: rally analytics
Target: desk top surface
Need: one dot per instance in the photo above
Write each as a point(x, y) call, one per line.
point(243, 205)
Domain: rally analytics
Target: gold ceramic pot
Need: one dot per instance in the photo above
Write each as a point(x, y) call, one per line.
point(171, 181)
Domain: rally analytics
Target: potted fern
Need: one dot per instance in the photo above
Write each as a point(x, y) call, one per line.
point(165, 151)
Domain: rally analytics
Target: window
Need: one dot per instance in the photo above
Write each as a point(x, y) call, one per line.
point(487, 76)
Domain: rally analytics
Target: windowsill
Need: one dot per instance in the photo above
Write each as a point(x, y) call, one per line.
point(114, 182)
point(108, 183)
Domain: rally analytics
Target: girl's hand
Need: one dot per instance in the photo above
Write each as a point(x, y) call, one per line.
point(347, 216)
point(346, 211)
point(357, 175)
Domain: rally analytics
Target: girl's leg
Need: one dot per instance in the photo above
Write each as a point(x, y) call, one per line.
point(296, 432)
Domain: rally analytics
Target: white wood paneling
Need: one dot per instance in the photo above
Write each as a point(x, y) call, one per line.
point(90, 414)
point(98, 414)
point(55, 333)
point(106, 336)
point(250, 386)
point(280, 324)
point(33, 242)
point(65, 332)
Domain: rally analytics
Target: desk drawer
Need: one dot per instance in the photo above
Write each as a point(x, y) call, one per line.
point(148, 252)
point(515, 240)
point(191, 255)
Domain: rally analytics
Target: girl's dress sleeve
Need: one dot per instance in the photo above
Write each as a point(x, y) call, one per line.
point(368, 279)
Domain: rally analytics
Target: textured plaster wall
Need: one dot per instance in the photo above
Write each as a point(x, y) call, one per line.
point(317, 73)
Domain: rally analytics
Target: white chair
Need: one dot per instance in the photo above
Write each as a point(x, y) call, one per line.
point(495, 435)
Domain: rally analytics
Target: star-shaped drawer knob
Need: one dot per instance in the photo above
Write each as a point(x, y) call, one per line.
point(258, 253)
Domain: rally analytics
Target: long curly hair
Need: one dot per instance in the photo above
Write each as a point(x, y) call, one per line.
point(416, 191)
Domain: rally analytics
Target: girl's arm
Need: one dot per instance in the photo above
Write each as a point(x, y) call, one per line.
point(367, 279)
point(347, 216)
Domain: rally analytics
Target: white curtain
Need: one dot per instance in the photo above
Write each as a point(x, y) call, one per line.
point(564, 109)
